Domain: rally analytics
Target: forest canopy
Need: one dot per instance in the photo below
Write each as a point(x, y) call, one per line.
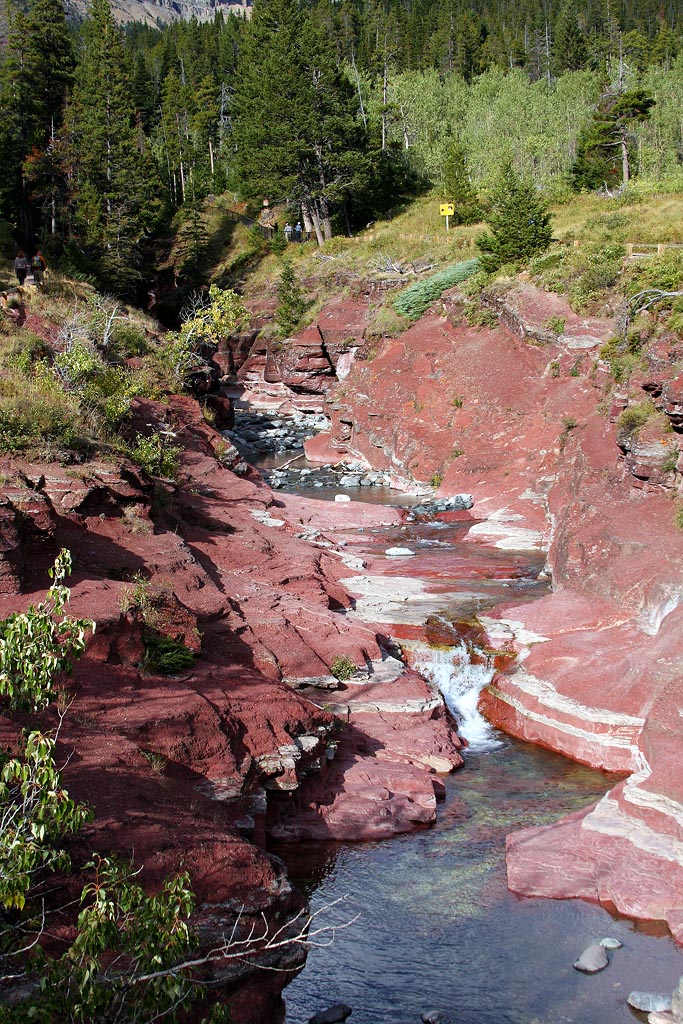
point(340, 109)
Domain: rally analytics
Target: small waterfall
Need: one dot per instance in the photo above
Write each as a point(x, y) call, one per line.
point(460, 682)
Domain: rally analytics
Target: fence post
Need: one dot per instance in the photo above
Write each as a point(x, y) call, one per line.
point(660, 249)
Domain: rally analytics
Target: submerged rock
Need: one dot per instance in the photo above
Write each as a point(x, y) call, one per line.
point(333, 1014)
point(649, 1001)
point(435, 1017)
point(593, 959)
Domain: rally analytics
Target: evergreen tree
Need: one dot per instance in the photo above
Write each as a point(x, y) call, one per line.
point(457, 187)
point(36, 74)
point(518, 219)
point(296, 128)
point(603, 155)
point(570, 50)
point(115, 194)
point(291, 304)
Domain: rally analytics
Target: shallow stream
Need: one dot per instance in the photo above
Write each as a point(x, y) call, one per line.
point(437, 928)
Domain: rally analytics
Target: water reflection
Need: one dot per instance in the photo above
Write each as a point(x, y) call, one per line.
point(438, 928)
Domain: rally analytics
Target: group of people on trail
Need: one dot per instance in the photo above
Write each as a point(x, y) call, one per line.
point(293, 234)
point(36, 265)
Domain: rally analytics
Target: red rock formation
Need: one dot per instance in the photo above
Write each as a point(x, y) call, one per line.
point(192, 768)
point(519, 425)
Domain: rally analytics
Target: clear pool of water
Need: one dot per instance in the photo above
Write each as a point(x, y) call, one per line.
point(438, 928)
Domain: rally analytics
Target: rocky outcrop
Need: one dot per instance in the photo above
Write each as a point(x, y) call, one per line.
point(196, 766)
point(516, 417)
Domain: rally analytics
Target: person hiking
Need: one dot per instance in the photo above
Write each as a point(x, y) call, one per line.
point(38, 267)
point(288, 231)
point(21, 266)
point(297, 231)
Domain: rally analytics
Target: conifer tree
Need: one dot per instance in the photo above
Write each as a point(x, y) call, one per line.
point(296, 128)
point(115, 194)
point(518, 219)
point(570, 50)
point(291, 304)
point(457, 187)
point(603, 155)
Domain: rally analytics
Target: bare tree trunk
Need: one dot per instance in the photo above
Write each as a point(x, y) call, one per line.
point(625, 166)
point(211, 157)
point(310, 215)
point(384, 106)
point(360, 95)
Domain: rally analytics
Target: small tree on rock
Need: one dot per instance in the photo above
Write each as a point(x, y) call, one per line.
point(518, 219)
point(291, 304)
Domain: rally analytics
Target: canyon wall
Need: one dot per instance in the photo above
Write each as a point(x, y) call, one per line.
point(527, 421)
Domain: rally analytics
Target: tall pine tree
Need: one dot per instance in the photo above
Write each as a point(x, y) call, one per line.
point(115, 192)
point(297, 130)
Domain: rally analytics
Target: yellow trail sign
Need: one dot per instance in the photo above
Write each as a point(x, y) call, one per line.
point(447, 209)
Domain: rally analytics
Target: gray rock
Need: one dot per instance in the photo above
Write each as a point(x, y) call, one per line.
point(648, 1001)
point(331, 1015)
point(593, 959)
point(435, 1017)
point(398, 552)
point(677, 1001)
point(609, 943)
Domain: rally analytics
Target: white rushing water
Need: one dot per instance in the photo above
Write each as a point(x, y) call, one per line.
point(460, 682)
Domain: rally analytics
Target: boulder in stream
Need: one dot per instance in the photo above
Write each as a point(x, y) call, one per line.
point(333, 1014)
point(610, 943)
point(593, 959)
point(435, 1017)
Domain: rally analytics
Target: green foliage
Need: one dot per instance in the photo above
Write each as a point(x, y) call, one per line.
point(678, 517)
point(436, 480)
point(165, 654)
point(457, 187)
point(122, 965)
point(35, 812)
point(343, 668)
point(518, 219)
point(215, 321)
point(295, 125)
point(156, 456)
point(556, 324)
point(670, 460)
point(291, 304)
point(603, 157)
point(413, 302)
point(634, 417)
point(38, 645)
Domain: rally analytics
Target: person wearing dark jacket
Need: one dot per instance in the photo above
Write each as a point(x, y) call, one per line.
point(21, 266)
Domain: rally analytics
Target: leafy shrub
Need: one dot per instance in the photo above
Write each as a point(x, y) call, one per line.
point(413, 302)
point(634, 417)
point(556, 324)
point(670, 460)
point(343, 668)
point(156, 456)
point(40, 643)
point(128, 340)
